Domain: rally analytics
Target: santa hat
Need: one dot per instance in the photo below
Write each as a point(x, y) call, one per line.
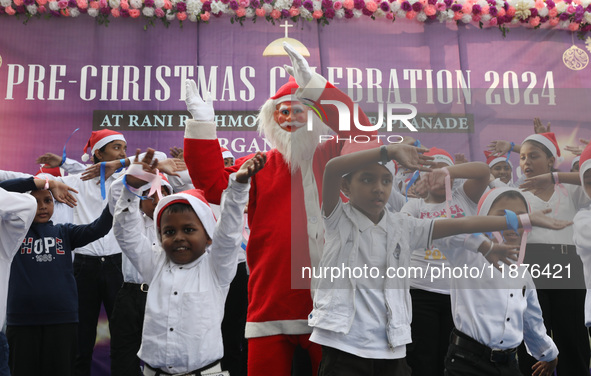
point(46, 169)
point(489, 198)
point(440, 156)
point(227, 153)
point(492, 160)
point(286, 92)
point(193, 197)
point(585, 163)
point(353, 147)
point(549, 141)
point(575, 160)
point(98, 139)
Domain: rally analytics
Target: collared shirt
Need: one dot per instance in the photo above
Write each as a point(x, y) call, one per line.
point(185, 303)
point(16, 215)
point(582, 239)
point(497, 310)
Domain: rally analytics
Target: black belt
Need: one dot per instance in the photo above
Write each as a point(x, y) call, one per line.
point(467, 343)
point(116, 257)
point(562, 249)
point(143, 287)
point(197, 372)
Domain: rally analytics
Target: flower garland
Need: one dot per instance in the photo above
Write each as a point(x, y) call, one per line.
point(574, 15)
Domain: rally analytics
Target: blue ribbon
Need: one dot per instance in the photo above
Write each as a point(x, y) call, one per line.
point(122, 161)
point(64, 151)
point(417, 143)
point(512, 221)
point(103, 190)
point(509, 152)
point(129, 189)
point(412, 180)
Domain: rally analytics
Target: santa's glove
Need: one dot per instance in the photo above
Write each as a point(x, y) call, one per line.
point(200, 110)
point(300, 70)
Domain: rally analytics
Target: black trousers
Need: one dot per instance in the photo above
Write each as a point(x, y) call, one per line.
point(235, 345)
point(461, 362)
point(563, 310)
point(42, 349)
point(432, 323)
point(125, 325)
point(98, 279)
point(339, 363)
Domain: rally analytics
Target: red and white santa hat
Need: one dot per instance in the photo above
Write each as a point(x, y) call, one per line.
point(98, 139)
point(487, 199)
point(547, 139)
point(48, 170)
point(353, 147)
point(585, 163)
point(440, 156)
point(492, 160)
point(286, 92)
point(227, 153)
point(575, 160)
point(196, 199)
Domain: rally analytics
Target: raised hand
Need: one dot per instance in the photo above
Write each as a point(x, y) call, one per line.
point(95, 170)
point(537, 184)
point(50, 159)
point(62, 193)
point(410, 157)
point(171, 165)
point(299, 69)
point(539, 127)
point(578, 150)
point(504, 253)
point(251, 167)
point(148, 164)
point(460, 158)
point(200, 110)
point(540, 219)
point(499, 147)
point(176, 152)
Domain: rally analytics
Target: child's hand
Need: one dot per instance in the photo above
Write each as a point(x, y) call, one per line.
point(147, 164)
point(576, 150)
point(542, 368)
point(499, 147)
point(176, 152)
point(435, 180)
point(539, 219)
point(539, 127)
point(251, 167)
point(504, 253)
point(50, 159)
point(95, 170)
point(171, 165)
point(537, 183)
point(460, 158)
point(410, 157)
point(61, 192)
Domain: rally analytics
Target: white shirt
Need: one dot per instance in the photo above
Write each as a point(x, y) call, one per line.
point(563, 207)
point(425, 258)
point(16, 216)
point(582, 239)
point(185, 303)
point(367, 337)
point(494, 309)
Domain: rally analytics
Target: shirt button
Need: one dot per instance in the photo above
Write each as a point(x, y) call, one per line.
point(180, 267)
point(171, 329)
point(128, 200)
point(501, 341)
point(102, 259)
point(508, 319)
point(511, 295)
point(176, 293)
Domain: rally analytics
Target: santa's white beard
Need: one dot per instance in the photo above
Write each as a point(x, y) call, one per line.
point(295, 147)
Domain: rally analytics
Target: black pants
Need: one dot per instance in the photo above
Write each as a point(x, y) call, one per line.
point(461, 362)
point(339, 363)
point(563, 310)
point(126, 323)
point(4, 370)
point(98, 279)
point(235, 345)
point(432, 323)
point(42, 349)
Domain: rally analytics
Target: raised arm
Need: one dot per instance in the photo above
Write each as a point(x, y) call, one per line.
point(16, 215)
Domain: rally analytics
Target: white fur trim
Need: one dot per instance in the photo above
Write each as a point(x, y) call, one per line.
point(227, 154)
point(313, 89)
point(85, 157)
point(492, 195)
point(202, 210)
point(575, 160)
point(200, 130)
point(437, 158)
point(286, 98)
point(105, 140)
point(544, 141)
point(582, 168)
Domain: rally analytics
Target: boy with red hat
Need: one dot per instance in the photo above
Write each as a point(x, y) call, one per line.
point(189, 271)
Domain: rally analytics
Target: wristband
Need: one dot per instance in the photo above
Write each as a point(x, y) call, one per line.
point(384, 155)
point(525, 221)
point(509, 152)
point(555, 178)
point(62, 162)
point(122, 160)
point(492, 244)
point(46, 186)
point(512, 222)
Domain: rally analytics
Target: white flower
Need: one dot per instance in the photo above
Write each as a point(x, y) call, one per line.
point(482, 3)
point(515, 20)
point(394, 6)
point(217, 6)
point(148, 11)
point(194, 7)
point(421, 17)
point(466, 18)
point(357, 13)
point(450, 14)
point(249, 13)
point(585, 3)
point(561, 6)
point(317, 4)
point(135, 4)
point(32, 9)
point(268, 8)
point(305, 13)
point(169, 15)
point(340, 13)
point(93, 12)
point(158, 3)
point(229, 11)
point(192, 18)
point(522, 8)
point(74, 12)
point(53, 6)
point(5, 3)
point(412, 1)
point(379, 13)
point(588, 17)
point(442, 17)
point(283, 4)
point(543, 12)
point(401, 13)
point(114, 3)
point(564, 24)
point(486, 18)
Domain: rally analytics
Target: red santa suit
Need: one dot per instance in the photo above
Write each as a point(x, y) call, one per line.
point(285, 222)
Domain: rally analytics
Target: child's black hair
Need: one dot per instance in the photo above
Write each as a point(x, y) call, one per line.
point(544, 149)
point(511, 195)
point(94, 158)
point(179, 207)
